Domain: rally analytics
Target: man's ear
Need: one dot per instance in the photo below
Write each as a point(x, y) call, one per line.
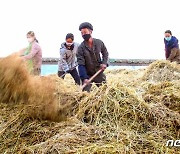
point(90, 31)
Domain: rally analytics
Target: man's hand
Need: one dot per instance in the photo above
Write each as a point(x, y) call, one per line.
point(103, 66)
point(86, 81)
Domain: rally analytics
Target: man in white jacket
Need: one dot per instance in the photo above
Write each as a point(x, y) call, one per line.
point(68, 61)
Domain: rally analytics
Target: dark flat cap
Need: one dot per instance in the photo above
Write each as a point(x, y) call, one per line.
point(85, 25)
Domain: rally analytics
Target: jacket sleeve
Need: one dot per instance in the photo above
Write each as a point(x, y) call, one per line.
point(21, 52)
point(82, 72)
point(166, 54)
point(63, 59)
point(165, 43)
point(81, 62)
point(174, 43)
point(105, 54)
point(173, 54)
point(35, 49)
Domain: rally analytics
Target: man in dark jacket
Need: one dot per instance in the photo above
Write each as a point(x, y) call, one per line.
point(92, 56)
point(172, 51)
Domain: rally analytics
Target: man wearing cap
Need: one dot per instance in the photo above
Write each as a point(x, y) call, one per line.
point(68, 61)
point(92, 56)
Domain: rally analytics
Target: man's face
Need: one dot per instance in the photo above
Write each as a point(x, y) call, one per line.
point(85, 31)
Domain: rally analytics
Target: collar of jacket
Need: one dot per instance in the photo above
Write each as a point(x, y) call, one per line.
point(173, 39)
point(64, 46)
point(94, 45)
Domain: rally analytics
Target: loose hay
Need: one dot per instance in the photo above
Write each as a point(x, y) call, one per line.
point(135, 112)
point(162, 71)
point(36, 95)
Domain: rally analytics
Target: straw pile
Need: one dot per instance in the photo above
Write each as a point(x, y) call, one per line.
point(36, 96)
point(135, 112)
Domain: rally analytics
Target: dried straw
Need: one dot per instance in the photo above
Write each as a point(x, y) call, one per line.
point(135, 112)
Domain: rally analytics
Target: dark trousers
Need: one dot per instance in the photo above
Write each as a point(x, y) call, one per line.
point(99, 80)
point(73, 73)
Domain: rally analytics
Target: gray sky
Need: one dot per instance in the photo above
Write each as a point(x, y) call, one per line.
point(129, 29)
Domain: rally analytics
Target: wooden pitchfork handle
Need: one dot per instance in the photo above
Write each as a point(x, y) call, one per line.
point(96, 74)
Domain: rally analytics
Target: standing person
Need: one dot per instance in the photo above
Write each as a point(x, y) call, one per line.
point(89, 57)
point(32, 54)
point(172, 51)
point(68, 61)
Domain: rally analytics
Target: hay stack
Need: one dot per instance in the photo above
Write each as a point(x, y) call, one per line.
point(135, 112)
point(162, 71)
point(14, 80)
point(168, 93)
point(37, 95)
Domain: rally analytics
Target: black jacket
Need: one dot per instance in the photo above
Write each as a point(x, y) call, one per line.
point(92, 58)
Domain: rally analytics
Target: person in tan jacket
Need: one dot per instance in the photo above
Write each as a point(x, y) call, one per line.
point(32, 54)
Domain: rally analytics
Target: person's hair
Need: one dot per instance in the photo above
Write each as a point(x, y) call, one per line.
point(70, 35)
point(168, 31)
point(86, 25)
point(32, 34)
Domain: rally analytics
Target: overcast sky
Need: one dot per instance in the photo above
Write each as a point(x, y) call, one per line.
point(129, 28)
